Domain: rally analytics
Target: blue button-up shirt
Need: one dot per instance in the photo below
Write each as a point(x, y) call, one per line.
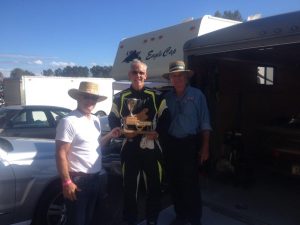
point(189, 113)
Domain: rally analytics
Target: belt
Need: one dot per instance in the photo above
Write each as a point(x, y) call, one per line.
point(81, 174)
point(186, 138)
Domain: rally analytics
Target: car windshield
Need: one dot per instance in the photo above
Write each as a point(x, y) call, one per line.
point(6, 115)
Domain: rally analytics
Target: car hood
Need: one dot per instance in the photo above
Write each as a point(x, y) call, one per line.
point(19, 151)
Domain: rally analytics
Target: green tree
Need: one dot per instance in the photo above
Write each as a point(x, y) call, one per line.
point(75, 71)
point(80, 71)
point(18, 73)
point(1, 89)
point(218, 14)
point(227, 14)
point(68, 72)
point(96, 71)
point(58, 72)
point(48, 72)
point(1, 77)
point(101, 71)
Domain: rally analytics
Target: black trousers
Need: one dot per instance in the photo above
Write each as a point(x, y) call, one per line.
point(81, 211)
point(181, 157)
point(138, 162)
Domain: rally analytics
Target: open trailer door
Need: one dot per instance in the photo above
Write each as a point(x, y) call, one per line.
point(250, 74)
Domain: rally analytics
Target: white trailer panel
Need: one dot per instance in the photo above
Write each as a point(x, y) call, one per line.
point(158, 48)
point(41, 90)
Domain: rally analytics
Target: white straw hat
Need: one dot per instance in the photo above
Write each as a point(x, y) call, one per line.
point(86, 88)
point(178, 67)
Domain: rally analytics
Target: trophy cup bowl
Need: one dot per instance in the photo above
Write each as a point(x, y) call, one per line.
point(131, 104)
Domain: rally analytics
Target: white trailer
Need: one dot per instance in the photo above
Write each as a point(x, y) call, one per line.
point(42, 90)
point(158, 48)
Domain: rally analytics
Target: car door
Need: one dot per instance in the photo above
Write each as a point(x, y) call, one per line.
point(43, 124)
point(31, 123)
point(7, 190)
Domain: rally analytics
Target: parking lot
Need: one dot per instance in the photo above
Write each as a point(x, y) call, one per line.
point(270, 199)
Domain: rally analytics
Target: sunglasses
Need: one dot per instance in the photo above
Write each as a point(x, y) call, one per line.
point(135, 72)
point(90, 97)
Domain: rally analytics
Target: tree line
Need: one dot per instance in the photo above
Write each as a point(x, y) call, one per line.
point(231, 15)
point(68, 71)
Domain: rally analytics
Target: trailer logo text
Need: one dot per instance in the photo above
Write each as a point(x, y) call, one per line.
point(161, 53)
point(134, 54)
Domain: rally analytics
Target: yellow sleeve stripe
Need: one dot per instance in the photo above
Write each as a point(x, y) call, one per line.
point(162, 107)
point(160, 171)
point(122, 100)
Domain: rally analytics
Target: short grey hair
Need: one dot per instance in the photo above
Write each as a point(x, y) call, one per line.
point(137, 61)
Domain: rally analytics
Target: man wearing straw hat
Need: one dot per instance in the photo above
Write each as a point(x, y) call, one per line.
point(188, 143)
point(78, 154)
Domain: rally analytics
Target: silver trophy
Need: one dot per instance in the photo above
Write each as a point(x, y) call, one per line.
point(131, 104)
point(136, 123)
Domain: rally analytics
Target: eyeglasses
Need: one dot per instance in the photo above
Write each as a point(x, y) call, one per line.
point(90, 97)
point(135, 72)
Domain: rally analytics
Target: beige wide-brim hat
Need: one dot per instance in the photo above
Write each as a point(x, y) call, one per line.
point(86, 88)
point(178, 67)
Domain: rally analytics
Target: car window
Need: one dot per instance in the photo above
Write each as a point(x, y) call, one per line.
point(58, 114)
point(39, 119)
point(19, 120)
point(30, 119)
point(6, 115)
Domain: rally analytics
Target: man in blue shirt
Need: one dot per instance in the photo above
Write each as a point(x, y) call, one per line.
point(188, 143)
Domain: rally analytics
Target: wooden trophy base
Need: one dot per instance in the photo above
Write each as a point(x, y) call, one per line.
point(127, 131)
point(137, 126)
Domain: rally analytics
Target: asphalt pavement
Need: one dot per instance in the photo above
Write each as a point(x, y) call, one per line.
point(269, 199)
point(210, 217)
point(264, 199)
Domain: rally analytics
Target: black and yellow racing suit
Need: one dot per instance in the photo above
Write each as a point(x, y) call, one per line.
point(137, 161)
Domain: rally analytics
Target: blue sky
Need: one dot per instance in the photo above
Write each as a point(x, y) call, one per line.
point(43, 34)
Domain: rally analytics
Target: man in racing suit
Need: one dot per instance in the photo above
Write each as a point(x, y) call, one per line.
point(141, 154)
